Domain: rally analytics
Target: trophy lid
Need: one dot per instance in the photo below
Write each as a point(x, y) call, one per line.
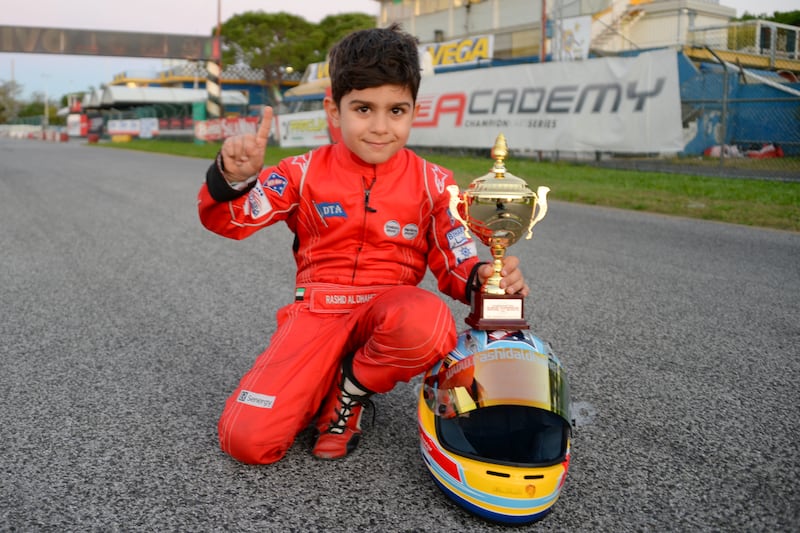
point(500, 182)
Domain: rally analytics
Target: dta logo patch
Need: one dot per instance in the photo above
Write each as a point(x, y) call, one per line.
point(330, 210)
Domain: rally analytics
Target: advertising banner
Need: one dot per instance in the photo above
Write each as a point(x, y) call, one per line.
point(460, 52)
point(129, 126)
point(77, 125)
point(623, 104)
point(571, 38)
point(221, 128)
point(309, 128)
point(148, 128)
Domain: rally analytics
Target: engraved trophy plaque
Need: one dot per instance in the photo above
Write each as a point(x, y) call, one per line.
point(498, 209)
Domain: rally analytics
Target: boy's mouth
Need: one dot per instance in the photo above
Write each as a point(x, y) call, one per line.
point(377, 144)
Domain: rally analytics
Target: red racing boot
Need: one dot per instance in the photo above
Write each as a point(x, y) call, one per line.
point(339, 423)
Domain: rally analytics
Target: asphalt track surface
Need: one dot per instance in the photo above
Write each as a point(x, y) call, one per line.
point(125, 325)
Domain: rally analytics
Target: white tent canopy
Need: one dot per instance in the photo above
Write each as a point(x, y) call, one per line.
point(114, 95)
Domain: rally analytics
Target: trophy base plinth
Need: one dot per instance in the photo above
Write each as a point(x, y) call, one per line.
point(497, 311)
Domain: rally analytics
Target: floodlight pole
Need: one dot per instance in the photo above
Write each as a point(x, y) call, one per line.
point(219, 25)
point(214, 72)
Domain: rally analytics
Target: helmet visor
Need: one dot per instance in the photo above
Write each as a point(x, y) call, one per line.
point(506, 434)
point(496, 377)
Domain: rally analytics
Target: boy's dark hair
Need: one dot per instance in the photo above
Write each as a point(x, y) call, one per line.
point(374, 57)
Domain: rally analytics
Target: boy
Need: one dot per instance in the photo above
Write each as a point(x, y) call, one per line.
point(369, 216)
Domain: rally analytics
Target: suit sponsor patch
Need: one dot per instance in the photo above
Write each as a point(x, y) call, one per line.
point(276, 183)
point(464, 252)
point(330, 209)
point(410, 231)
point(257, 204)
point(439, 177)
point(256, 400)
point(456, 237)
point(391, 228)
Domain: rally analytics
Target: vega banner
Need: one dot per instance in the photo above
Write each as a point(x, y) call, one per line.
point(624, 104)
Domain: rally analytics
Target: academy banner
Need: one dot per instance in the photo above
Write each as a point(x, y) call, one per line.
point(620, 104)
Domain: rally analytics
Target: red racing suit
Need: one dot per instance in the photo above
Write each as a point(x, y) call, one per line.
point(364, 237)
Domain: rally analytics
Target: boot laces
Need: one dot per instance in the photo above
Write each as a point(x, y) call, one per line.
point(345, 410)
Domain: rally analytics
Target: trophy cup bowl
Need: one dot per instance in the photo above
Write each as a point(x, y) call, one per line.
point(498, 209)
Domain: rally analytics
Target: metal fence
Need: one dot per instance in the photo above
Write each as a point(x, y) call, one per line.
point(771, 44)
point(737, 122)
point(748, 121)
point(740, 107)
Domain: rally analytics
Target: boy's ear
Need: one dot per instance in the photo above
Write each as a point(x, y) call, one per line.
point(416, 111)
point(332, 110)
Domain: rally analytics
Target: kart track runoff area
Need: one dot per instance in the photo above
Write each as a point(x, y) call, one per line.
point(125, 325)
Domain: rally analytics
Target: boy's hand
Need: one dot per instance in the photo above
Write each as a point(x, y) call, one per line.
point(513, 282)
point(243, 155)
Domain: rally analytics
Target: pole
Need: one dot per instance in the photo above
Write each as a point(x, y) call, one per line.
point(46, 118)
point(543, 48)
point(724, 119)
point(214, 67)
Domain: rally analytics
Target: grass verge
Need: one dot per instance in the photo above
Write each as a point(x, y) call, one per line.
point(752, 202)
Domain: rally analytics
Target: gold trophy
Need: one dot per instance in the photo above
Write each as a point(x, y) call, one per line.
point(498, 208)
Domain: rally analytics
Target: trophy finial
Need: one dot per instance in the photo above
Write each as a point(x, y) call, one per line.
point(499, 154)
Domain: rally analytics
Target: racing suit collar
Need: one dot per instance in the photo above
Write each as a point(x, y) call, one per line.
point(354, 163)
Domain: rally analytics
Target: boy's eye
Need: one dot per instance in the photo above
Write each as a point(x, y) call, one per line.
point(362, 109)
point(398, 110)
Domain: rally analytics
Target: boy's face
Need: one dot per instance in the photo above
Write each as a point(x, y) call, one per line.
point(375, 122)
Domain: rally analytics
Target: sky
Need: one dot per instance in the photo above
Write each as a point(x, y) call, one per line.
point(56, 75)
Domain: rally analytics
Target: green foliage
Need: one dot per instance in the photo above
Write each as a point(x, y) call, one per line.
point(265, 41)
point(274, 41)
point(31, 109)
point(9, 93)
point(791, 18)
point(787, 17)
point(335, 27)
point(769, 204)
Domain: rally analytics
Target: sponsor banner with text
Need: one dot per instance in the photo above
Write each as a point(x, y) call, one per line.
point(309, 128)
point(468, 51)
point(629, 104)
point(222, 128)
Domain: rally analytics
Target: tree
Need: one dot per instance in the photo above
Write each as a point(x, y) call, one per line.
point(269, 42)
point(791, 18)
point(9, 104)
point(273, 42)
point(334, 27)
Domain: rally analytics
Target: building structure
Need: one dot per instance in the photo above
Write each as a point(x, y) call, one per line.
point(193, 75)
point(525, 31)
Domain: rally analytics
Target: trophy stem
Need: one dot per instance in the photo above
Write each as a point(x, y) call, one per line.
point(493, 282)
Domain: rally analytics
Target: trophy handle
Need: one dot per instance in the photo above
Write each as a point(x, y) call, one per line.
point(541, 201)
point(455, 199)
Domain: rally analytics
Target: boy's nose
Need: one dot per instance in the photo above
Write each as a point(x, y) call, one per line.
point(380, 123)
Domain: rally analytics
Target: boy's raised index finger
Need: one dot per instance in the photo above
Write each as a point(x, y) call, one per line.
point(262, 135)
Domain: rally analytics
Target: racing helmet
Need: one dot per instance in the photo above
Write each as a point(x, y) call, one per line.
point(494, 425)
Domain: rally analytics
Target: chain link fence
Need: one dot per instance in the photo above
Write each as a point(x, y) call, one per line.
point(737, 122)
point(740, 106)
point(741, 122)
point(741, 110)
